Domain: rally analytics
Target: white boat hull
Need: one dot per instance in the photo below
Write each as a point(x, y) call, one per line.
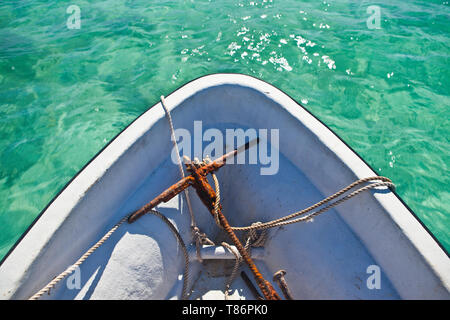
point(331, 257)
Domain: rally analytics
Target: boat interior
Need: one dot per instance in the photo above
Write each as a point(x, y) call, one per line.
point(326, 257)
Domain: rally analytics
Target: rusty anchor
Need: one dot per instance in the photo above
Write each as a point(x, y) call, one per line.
point(198, 180)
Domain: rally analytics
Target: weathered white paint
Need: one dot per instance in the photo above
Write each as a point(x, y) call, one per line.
point(325, 259)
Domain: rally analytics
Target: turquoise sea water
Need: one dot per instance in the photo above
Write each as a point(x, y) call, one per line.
point(64, 93)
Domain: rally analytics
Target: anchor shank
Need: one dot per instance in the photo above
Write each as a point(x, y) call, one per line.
point(165, 196)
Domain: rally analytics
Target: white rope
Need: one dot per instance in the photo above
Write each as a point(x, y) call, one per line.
point(184, 292)
point(217, 190)
point(237, 264)
point(70, 269)
point(199, 237)
point(180, 165)
point(253, 240)
point(287, 219)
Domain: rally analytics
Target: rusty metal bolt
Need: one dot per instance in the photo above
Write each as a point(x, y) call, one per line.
point(278, 277)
